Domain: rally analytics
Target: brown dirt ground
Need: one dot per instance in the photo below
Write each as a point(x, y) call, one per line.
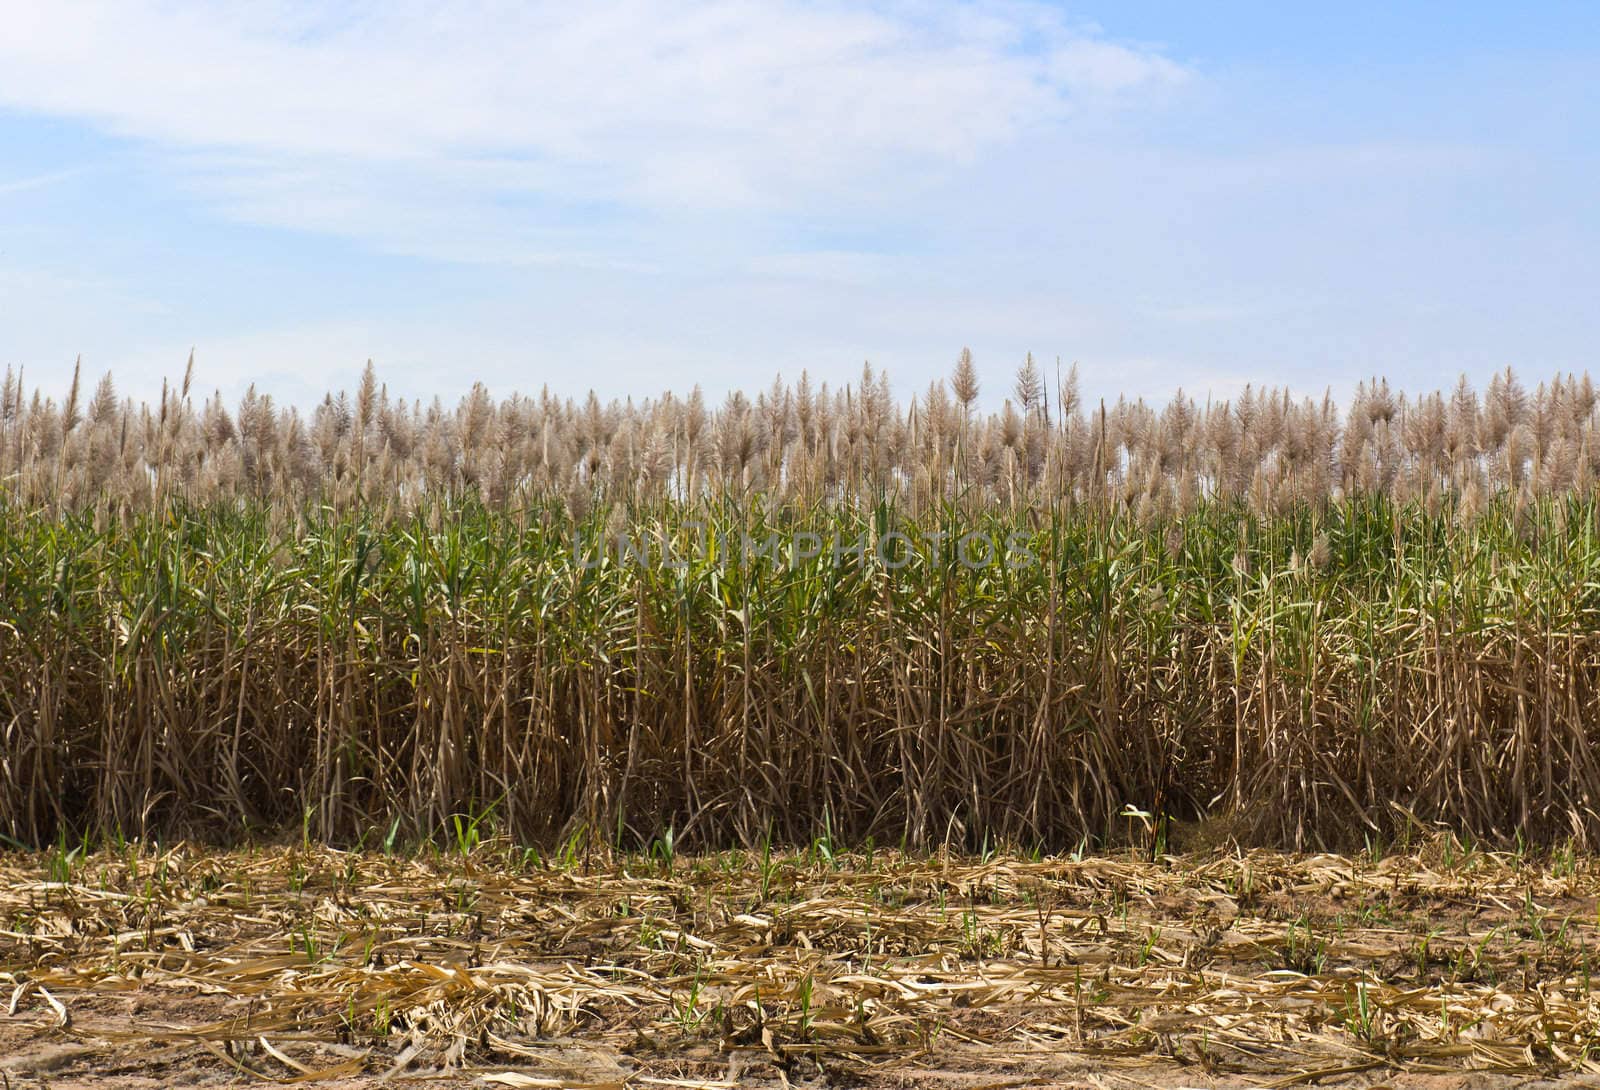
point(90, 1056)
point(1444, 971)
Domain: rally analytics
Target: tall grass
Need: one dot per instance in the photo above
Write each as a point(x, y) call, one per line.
point(1310, 624)
point(797, 444)
point(1334, 671)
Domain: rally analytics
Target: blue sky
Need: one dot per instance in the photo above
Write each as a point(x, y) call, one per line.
point(632, 196)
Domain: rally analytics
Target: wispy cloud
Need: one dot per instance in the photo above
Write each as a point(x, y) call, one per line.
point(516, 122)
point(39, 181)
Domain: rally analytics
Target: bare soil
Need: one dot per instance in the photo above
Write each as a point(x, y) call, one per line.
point(1444, 970)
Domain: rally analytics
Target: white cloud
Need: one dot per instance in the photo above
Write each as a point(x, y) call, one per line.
point(526, 116)
point(37, 181)
point(1090, 67)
